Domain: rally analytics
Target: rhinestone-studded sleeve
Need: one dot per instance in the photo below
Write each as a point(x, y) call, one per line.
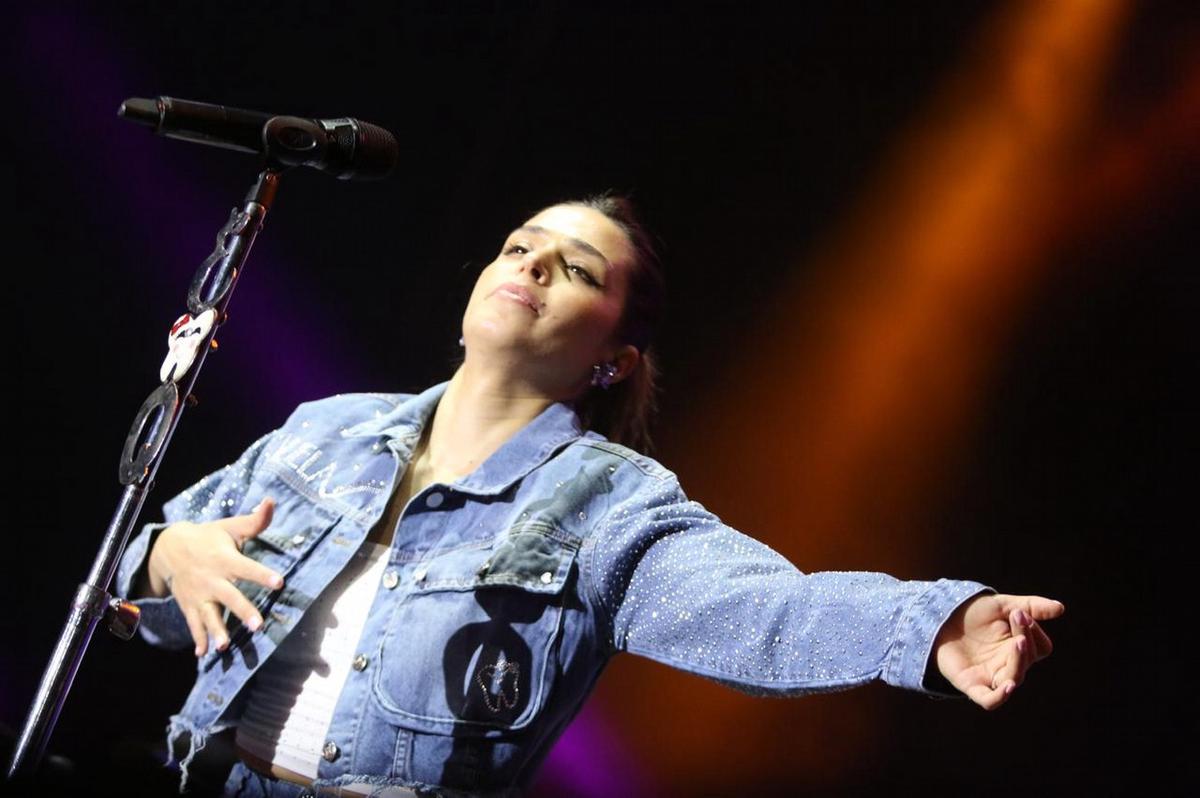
point(680, 587)
point(215, 496)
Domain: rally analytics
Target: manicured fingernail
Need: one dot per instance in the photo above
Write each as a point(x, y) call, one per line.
point(222, 643)
point(277, 582)
point(1025, 619)
point(199, 651)
point(1021, 645)
point(255, 624)
point(1008, 688)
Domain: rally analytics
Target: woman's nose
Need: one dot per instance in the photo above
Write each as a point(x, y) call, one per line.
point(538, 266)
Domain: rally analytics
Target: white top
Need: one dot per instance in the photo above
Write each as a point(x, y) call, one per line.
point(291, 701)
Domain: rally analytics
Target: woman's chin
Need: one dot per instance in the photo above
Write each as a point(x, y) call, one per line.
point(500, 334)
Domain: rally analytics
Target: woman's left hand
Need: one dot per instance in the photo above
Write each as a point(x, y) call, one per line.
point(989, 643)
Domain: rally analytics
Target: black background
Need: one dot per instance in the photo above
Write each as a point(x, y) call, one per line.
point(744, 132)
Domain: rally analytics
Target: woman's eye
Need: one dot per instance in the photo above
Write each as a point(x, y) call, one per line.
point(584, 273)
point(515, 249)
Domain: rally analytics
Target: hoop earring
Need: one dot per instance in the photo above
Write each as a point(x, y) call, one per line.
point(603, 374)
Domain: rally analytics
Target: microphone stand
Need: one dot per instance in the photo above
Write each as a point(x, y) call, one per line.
point(145, 444)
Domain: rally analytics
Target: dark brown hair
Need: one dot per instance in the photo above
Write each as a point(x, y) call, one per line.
point(623, 412)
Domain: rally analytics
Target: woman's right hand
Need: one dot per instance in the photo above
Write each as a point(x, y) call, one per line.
point(197, 563)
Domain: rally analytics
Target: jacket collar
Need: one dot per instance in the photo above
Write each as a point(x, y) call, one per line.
point(532, 445)
point(404, 420)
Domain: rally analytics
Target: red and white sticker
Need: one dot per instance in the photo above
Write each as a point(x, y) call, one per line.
point(183, 343)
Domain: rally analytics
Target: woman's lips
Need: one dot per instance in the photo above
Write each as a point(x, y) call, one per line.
point(520, 294)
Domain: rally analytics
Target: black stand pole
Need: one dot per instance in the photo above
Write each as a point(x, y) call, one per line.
point(152, 428)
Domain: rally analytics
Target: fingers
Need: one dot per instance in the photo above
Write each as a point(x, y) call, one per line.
point(1039, 608)
point(210, 613)
point(1022, 626)
point(1013, 641)
point(1004, 680)
point(196, 627)
point(204, 616)
point(1041, 643)
point(1007, 667)
point(1044, 609)
point(253, 571)
point(204, 565)
point(1013, 671)
point(204, 621)
point(244, 527)
point(987, 697)
point(1024, 613)
point(239, 605)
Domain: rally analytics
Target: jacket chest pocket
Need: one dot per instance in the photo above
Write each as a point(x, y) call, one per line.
point(294, 532)
point(470, 650)
point(290, 541)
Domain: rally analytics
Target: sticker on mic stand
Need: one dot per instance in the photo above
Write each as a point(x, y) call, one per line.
point(183, 343)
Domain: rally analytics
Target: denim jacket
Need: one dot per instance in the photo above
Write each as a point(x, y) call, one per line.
point(507, 591)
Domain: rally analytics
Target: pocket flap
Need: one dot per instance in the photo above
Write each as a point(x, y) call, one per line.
point(291, 539)
point(529, 560)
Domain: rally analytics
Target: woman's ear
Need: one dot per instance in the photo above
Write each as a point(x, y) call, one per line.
point(625, 359)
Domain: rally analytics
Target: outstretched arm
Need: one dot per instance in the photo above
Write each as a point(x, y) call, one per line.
point(681, 587)
point(990, 642)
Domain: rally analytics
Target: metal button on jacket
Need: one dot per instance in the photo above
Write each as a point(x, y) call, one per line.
point(330, 751)
point(391, 579)
point(360, 663)
point(434, 500)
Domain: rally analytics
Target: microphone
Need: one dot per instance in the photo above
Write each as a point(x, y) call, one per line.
point(346, 148)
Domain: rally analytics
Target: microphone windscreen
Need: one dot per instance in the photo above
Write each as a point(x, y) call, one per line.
point(375, 153)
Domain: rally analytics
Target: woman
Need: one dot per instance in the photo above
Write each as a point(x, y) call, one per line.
point(422, 590)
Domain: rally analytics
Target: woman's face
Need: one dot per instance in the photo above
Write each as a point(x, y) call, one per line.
point(552, 298)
